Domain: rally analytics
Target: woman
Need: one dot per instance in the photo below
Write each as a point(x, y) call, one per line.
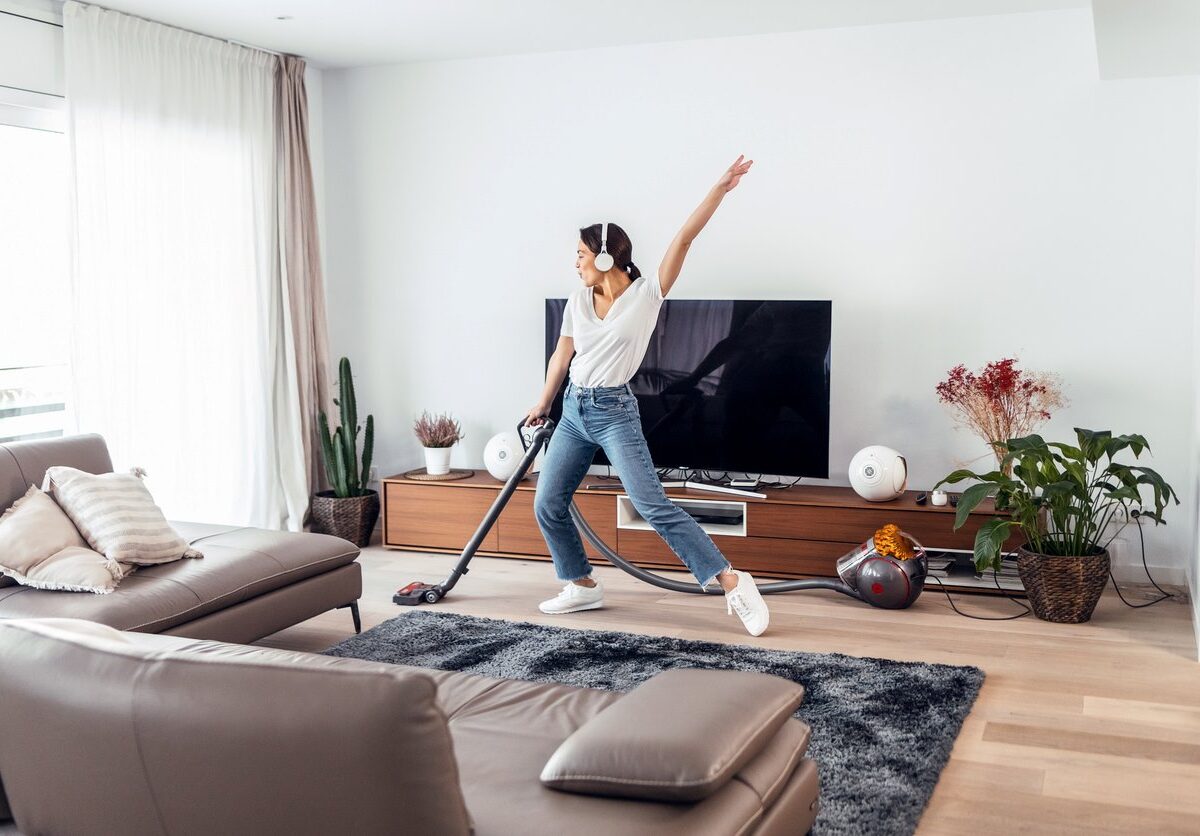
point(606, 327)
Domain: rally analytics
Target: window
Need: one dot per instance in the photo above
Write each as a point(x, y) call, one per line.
point(34, 300)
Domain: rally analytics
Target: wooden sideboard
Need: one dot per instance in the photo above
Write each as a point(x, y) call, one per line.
point(793, 533)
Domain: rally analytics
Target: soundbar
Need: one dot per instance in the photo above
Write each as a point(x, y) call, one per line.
point(715, 516)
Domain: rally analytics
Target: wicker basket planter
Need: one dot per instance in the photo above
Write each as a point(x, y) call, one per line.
point(352, 518)
point(1063, 589)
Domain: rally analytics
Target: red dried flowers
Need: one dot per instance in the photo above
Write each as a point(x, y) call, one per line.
point(1001, 401)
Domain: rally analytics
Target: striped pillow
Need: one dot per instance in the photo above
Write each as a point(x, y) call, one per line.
point(117, 516)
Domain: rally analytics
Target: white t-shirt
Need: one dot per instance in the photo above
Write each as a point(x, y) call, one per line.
point(608, 351)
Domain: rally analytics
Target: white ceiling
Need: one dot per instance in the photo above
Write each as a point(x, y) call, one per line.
point(347, 33)
point(1145, 38)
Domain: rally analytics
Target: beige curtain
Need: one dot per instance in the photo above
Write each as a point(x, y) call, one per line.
point(300, 255)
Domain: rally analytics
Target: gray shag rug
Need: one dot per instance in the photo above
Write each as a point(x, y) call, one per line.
point(881, 730)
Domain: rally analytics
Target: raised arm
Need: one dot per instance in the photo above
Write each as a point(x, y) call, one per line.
point(672, 262)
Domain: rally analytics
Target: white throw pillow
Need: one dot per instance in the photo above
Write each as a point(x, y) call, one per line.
point(39, 547)
point(117, 516)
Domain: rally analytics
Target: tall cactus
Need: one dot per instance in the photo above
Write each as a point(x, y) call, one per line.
point(340, 450)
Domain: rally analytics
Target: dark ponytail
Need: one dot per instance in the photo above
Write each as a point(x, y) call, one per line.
point(619, 246)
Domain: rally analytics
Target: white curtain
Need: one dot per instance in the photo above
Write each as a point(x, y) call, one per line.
point(179, 343)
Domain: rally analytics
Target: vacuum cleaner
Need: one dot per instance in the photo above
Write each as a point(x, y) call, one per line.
point(887, 571)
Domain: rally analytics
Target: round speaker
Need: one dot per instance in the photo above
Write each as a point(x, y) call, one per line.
point(878, 473)
point(604, 262)
point(502, 454)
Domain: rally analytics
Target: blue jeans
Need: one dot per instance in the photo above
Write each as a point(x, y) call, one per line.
point(607, 417)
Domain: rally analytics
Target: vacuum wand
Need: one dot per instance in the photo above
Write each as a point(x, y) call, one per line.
point(415, 593)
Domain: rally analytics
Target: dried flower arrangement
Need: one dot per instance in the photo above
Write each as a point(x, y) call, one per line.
point(1001, 402)
point(437, 431)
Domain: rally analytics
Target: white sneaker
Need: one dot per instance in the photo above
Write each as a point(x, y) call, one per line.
point(574, 598)
point(748, 603)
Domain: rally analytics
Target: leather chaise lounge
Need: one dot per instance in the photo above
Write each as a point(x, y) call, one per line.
point(250, 583)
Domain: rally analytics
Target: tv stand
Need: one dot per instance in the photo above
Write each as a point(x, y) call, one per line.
point(793, 532)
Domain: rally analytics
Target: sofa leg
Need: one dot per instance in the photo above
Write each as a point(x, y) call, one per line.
point(353, 605)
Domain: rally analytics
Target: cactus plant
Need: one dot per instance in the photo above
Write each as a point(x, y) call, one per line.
point(340, 450)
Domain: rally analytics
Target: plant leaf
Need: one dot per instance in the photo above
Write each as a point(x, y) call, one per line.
point(970, 500)
point(1073, 453)
point(956, 477)
point(989, 541)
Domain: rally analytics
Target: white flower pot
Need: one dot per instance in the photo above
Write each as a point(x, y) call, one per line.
point(437, 460)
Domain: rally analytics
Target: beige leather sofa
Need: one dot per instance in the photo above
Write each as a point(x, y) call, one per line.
point(182, 736)
point(249, 584)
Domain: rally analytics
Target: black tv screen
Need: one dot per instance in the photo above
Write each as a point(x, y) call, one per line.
point(731, 385)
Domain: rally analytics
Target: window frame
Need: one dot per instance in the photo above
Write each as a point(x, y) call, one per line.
point(29, 109)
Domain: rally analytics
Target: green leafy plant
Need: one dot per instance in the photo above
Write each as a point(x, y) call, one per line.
point(341, 448)
point(1062, 497)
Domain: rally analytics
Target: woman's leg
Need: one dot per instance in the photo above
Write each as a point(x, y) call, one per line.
point(620, 435)
point(568, 457)
point(612, 419)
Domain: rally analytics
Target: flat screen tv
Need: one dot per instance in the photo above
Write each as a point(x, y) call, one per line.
point(731, 385)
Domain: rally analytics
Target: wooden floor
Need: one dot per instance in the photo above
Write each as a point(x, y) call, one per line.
point(1088, 728)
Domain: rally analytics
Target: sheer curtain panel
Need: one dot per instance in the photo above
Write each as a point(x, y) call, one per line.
point(180, 325)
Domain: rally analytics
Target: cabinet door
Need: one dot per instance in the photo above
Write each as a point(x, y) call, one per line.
point(517, 529)
point(855, 525)
point(519, 532)
point(437, 516)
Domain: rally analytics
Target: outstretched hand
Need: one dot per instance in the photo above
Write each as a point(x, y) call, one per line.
point(733, 174)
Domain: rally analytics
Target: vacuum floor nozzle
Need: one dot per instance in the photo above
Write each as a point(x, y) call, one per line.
point(416, 593)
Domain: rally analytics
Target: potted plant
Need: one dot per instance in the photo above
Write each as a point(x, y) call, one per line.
point(437, 435)
point(1062, 499)
point(351, 509)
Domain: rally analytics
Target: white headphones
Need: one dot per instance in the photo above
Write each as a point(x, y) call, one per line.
point(604, 261)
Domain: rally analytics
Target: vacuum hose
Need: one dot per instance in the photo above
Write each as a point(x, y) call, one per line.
point(694, 588)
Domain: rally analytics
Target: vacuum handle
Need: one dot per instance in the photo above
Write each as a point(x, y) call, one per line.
point(546, 427)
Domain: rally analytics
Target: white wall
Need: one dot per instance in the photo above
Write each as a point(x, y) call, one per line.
point(961, 190)
point(1194, 553)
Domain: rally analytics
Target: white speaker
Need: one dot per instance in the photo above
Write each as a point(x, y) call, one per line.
point(502, 454)
point(878, 473)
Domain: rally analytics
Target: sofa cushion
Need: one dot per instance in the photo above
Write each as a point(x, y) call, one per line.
point(24, 463)
point(239, 564)
point(644, 746)
point(295, 555)
point(39, 547)
point(527, 721)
